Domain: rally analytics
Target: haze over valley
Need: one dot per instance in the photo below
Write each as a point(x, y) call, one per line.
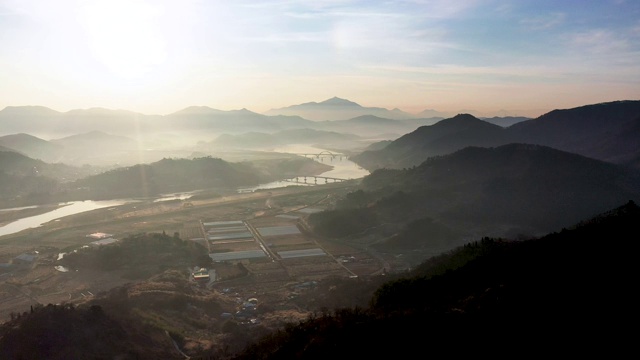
point(306, 180)
point(438, 187)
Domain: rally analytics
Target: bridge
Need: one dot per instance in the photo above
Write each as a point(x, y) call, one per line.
point(313, 179)
point(324, 154)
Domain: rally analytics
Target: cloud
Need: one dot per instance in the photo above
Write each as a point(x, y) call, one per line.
point(544, 22)
point(599, 41)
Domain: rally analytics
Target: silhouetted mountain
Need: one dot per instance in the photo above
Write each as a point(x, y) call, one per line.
point(503, 191)
point(47, 123)
point(27, 119)
point(172, 175)
point(600, 131)
point(564, 293)
point(337, 109)
point(582, 130)
point(33, 147)
point(27, 180)
point(168, 175)
point(441, 138)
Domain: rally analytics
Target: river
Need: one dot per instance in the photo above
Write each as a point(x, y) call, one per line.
point(66, 209)
point(342, 169)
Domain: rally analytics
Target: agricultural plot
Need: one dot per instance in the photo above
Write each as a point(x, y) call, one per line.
point(279, 230)
point(274, 251)
point(234, 246)
point(314, 268)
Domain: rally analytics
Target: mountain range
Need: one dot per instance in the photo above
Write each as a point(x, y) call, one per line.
point(204, 121)
point(605, 131)
point(340, 109)
point(567, 292)
point(337, 108)
point(525, 251)
point(511, 191)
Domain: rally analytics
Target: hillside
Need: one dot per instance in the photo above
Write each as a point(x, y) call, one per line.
point(600, 131)
point(564, 293)
point(337, 109)
point(440, 138)
point(171, 175)
point(122, 323)
point(496, 296)
point(26, 181)
point(32, 146)
point(510, 190)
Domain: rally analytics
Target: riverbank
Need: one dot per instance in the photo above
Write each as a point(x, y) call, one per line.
point(13, 214)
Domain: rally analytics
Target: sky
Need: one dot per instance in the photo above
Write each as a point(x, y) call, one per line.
point(159, 56)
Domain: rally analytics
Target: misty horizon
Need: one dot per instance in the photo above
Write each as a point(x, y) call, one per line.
point(158, 57)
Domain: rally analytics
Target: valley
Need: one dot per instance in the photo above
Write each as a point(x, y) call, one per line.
point(251, 180)
point(277, 277)
point(205, 254)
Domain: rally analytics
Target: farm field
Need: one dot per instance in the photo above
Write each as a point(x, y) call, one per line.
point(264, 224)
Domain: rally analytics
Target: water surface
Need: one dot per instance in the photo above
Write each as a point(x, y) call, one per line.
point(69, 208)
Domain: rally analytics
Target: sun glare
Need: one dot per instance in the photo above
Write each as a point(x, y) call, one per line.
point(124, 36)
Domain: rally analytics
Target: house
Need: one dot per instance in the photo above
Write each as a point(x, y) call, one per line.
point(24, 259)
point(5, 267)
point(99, 235)
point(105, 241)
point(226, 315)
point(201, 274)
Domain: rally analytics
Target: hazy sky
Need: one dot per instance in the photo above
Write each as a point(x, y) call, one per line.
point(159, 56)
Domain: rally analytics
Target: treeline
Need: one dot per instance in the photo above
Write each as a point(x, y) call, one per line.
point(569, 292)
point(508, 191)
point(141, 255)
point(168, 175)
point(62, 332)
point(25, 181)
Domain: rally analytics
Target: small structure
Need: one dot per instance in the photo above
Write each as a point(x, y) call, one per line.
point(24, 259)
point(101, 242)
point(99, 235)
point(226, 315)
point(5, 267)
point(201, 274)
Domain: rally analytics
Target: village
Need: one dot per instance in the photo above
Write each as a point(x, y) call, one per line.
point(264, 257)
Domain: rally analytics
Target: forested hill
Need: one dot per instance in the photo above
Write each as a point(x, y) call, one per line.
point(503, 191)
point(443, 137)
point(567, 293)
point(26, 181)
point(169, 175)
point(606, 131)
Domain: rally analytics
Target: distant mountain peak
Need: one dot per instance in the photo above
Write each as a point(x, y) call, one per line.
point(464, 118)
point(336, 101)
point(244, 111)
point(196, 110)
point(29, 110)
